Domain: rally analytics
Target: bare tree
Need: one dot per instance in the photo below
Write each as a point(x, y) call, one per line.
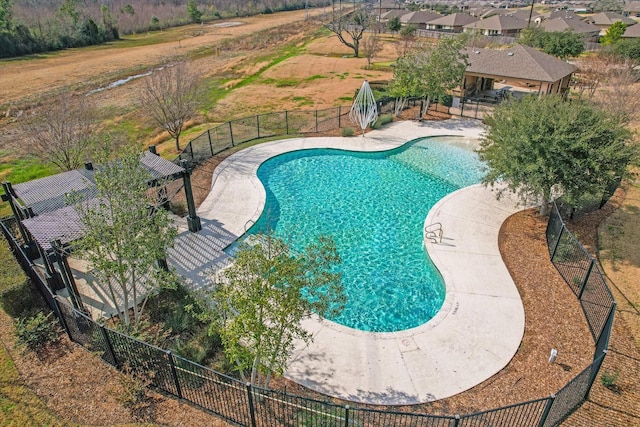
point(170, 98)
point(619, 92)
point(371, 46)
point(61, 132)
point(591, 71)
point(350, 27)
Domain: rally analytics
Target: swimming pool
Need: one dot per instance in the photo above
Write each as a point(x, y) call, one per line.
point(373, 204)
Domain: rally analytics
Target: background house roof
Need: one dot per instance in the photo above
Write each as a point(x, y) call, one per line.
point(419, 17)
point(561, 23)
point(632, 6)
point(521, 62)
point(632, 31)
point(609, 18)
point(454, 20)
point(498, 22)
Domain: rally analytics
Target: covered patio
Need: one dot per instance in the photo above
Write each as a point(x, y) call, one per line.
point(47, 225)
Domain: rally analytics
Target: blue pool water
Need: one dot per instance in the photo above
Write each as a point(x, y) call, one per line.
point(374, 206)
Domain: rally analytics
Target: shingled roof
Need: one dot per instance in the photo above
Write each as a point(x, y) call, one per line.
point(561, 23)
point(609, 18)
point(499, 23)
point(419, 17)
point(632, 31)
point(521, 62)
point(454, 20)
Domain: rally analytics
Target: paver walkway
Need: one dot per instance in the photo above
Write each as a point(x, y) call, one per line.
point(476, 333)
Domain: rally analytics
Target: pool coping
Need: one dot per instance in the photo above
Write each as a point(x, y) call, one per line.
point(474, 335)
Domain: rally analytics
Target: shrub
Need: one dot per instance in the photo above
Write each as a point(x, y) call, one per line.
point(609, 379)
point(347, 131)
point(133, 390)
point(36, 332)
point(382, 120)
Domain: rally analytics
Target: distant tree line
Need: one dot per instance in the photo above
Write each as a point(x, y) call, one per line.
point(33, 26)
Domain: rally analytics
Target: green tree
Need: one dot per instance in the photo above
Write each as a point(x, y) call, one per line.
point(531, 36)
point(128, 9)
point(545, 145)
point(431, 72)
point(394, 24)
point(561, 44)
point(261, 299)
point(614, 33)
point(6, 15)
point(195, 15)
point(625, 49)
point(608, 6)
point(125, 235)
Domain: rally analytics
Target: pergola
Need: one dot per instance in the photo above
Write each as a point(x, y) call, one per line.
point(47, 224)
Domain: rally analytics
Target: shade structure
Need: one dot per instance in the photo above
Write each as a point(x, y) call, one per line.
point(364, 109)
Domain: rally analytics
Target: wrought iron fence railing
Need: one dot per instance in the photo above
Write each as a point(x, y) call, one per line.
point(235, 132)
point(250, 406)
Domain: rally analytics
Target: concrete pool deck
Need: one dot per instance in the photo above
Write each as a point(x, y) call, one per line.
point(474, 335)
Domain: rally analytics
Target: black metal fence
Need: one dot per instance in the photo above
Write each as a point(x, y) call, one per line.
point(250, 406)
point(232, 133)
point(235, 132)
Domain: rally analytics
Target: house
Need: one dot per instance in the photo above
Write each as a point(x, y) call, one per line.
point(419, 18)
point(631, 8)
point(386, 16)
point(589, 31)
point(520, 66)
point(484, 12)
point(525, 14)
point(632, 31)
point(451, 23)
point(604, 20)
point(387, 5)
point(497, 25)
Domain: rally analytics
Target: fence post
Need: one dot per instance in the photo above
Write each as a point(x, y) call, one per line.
point(316, 121)
point(555, 247)
point(191, 150)
point(286, 120)
point(547, 409)
point(605, 333)
point(339, 116)
point(174, 372)
point(586, 279)
point(477, 108)
point(456, 420)
point(346, 415)
point(258, 124)
point(252, 412)
point(231, 133)
point(594, 373)
point(210, 144)
point(63, 321)
point(109, 345)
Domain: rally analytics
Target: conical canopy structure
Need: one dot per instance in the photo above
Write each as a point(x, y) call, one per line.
point(364, 109)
